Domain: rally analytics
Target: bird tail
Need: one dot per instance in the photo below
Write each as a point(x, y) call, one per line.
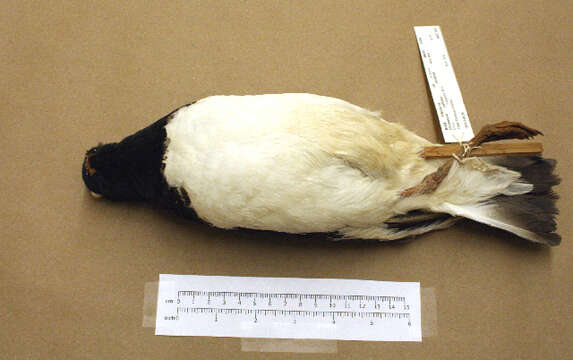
point(526, 207)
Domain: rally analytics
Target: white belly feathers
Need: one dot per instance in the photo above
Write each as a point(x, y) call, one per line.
point(290, 162)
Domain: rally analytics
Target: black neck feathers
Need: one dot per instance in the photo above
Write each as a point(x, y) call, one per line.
point(130, 169)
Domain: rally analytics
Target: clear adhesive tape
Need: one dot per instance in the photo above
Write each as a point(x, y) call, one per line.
point(289, 345)
point(429, 309)
point(150, 303)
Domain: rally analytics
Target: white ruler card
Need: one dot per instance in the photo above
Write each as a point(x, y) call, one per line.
point(452, 113)
point(295, 308)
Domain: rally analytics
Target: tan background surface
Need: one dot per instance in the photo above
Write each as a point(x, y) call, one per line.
point(74, 73)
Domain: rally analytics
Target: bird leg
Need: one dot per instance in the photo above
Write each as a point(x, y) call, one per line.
point(493, 132)
point(502, 131)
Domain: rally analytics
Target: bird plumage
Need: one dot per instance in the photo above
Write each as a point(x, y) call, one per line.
point(303, 163)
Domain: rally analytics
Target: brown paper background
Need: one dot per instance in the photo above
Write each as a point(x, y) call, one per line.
point(74, 73)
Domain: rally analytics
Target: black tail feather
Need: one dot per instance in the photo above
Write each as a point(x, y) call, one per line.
point(536, 210)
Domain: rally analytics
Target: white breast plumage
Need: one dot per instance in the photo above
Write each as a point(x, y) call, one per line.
point(290, 162)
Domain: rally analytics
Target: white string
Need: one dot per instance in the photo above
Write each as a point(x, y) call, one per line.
point(467, 149)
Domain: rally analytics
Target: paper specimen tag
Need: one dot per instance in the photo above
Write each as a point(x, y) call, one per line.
point(444, 87)
point(295, 308)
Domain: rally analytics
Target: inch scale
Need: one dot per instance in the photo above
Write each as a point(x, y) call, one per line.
point(288, 308)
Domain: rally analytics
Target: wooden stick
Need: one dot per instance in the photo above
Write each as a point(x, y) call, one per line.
point(443, 151)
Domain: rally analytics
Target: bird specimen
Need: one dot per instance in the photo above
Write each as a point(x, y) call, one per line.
point(303, 163)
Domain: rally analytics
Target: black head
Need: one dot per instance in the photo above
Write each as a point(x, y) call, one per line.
point(106, 173)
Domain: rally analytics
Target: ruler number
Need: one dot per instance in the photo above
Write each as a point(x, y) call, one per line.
point(351, 306)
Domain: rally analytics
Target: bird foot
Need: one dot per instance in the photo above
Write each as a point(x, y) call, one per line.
point(493, 132)
point(502, 131)
point(430, 182)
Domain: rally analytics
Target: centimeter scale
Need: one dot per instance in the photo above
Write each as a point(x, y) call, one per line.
point(288, 308)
